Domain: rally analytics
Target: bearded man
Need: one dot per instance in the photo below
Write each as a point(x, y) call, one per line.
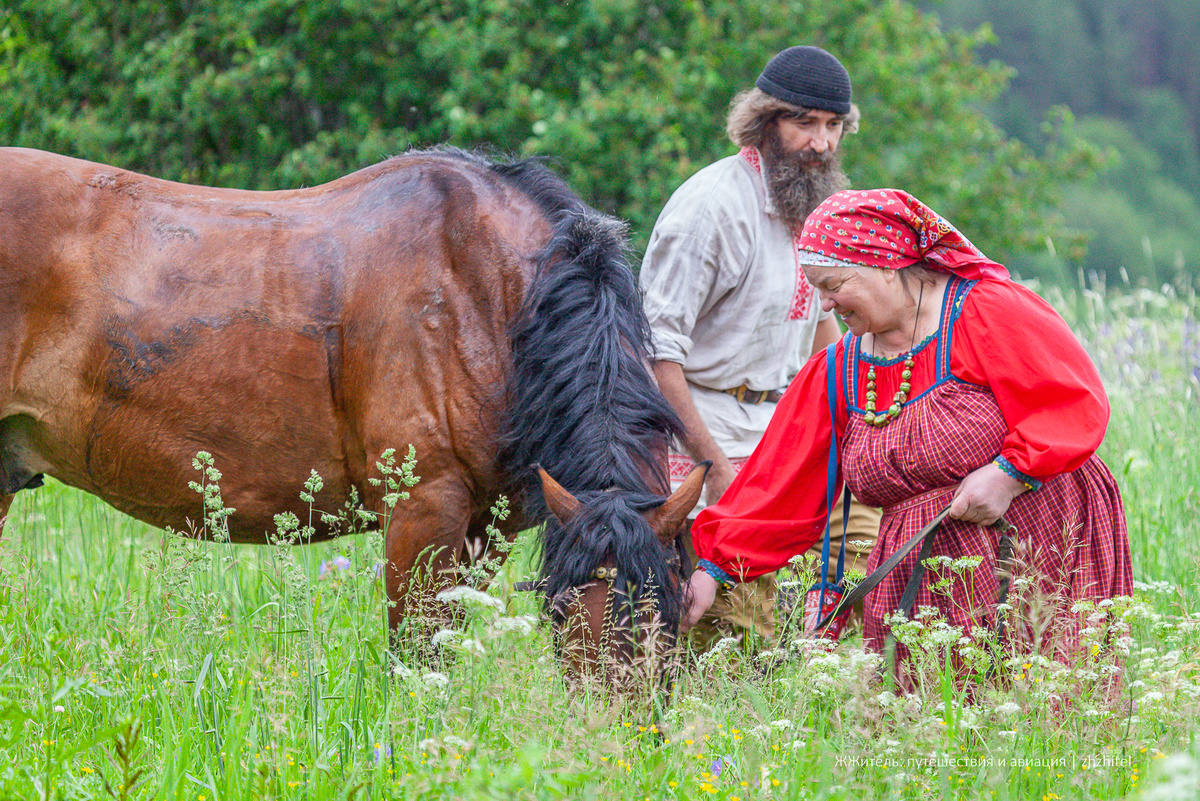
point(732, 315)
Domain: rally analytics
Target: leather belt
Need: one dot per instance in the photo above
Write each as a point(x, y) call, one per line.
point(754, 396)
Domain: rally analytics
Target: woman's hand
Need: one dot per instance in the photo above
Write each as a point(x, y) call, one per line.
point(699, 594)
point(985, 495)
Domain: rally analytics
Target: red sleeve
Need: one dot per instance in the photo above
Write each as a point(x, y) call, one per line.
point(776, 506)
point(1053, 401)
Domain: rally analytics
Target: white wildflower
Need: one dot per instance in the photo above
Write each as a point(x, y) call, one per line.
point(457, 742)
point(1009, 708)
point(1008, 733)
point(438, 681)
point(1151, 697)
point(445, 637)
point(724, 644)
point(1178, 777)
point(469, 595)
point(472, 647)
point(523, 624)
point(944, 635)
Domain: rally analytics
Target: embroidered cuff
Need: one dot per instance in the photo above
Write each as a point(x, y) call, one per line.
point(722, 578)
point(1030, 482)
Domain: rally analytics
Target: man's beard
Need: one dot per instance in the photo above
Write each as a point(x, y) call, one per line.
point(799, 181)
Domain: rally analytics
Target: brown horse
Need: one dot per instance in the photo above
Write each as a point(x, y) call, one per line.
point(480, 312)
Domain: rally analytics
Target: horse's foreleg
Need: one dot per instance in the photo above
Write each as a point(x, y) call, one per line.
point(5, 502)
point(422, 546)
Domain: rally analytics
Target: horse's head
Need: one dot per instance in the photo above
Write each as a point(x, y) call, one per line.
point(613, 572)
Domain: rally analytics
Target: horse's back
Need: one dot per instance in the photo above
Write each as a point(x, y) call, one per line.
point(283, 331)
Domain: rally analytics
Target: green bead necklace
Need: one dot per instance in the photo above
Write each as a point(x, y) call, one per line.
point(893, 411)
point(898, 399)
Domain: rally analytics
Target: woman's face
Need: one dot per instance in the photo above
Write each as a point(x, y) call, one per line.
point(867, 299)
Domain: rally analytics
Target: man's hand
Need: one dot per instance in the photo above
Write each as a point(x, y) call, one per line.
point(699, 595)
point(985, 495)
point(720, 476)
point(697, 441)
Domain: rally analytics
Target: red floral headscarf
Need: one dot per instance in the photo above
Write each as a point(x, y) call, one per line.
point(890, 229)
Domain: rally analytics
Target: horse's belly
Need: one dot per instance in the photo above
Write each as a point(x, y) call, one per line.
point(259, 399)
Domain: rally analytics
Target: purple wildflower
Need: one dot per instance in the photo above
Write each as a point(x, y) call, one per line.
point(338, 564)
point(720, 763)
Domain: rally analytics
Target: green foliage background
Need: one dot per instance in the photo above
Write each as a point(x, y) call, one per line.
point(1131, 72)
point(628, 96)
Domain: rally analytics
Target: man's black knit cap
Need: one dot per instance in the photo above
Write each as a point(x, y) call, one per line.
point(807, 76)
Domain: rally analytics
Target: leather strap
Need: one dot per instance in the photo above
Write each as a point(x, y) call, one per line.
point(870, 582)
point(754, 396)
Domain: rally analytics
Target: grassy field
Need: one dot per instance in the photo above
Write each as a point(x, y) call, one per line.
point(135, 664)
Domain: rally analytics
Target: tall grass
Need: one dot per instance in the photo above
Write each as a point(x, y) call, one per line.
point(139, 664)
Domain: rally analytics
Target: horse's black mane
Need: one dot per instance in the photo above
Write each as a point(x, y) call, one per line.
point(581, 401)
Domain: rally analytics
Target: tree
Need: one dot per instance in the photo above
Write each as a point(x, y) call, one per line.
point(627, 96)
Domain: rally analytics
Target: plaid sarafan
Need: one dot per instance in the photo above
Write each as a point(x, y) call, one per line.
point(1071, 530)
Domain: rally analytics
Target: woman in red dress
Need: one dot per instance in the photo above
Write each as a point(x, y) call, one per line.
point(954, 386)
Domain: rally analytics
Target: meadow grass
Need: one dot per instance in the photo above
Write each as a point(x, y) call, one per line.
point(139, 664)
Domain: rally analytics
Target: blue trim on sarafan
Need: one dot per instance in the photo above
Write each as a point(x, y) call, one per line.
point(880, 361)
point(955, 300)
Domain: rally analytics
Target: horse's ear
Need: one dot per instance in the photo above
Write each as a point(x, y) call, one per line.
point(667, 520)
point(561, 503)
